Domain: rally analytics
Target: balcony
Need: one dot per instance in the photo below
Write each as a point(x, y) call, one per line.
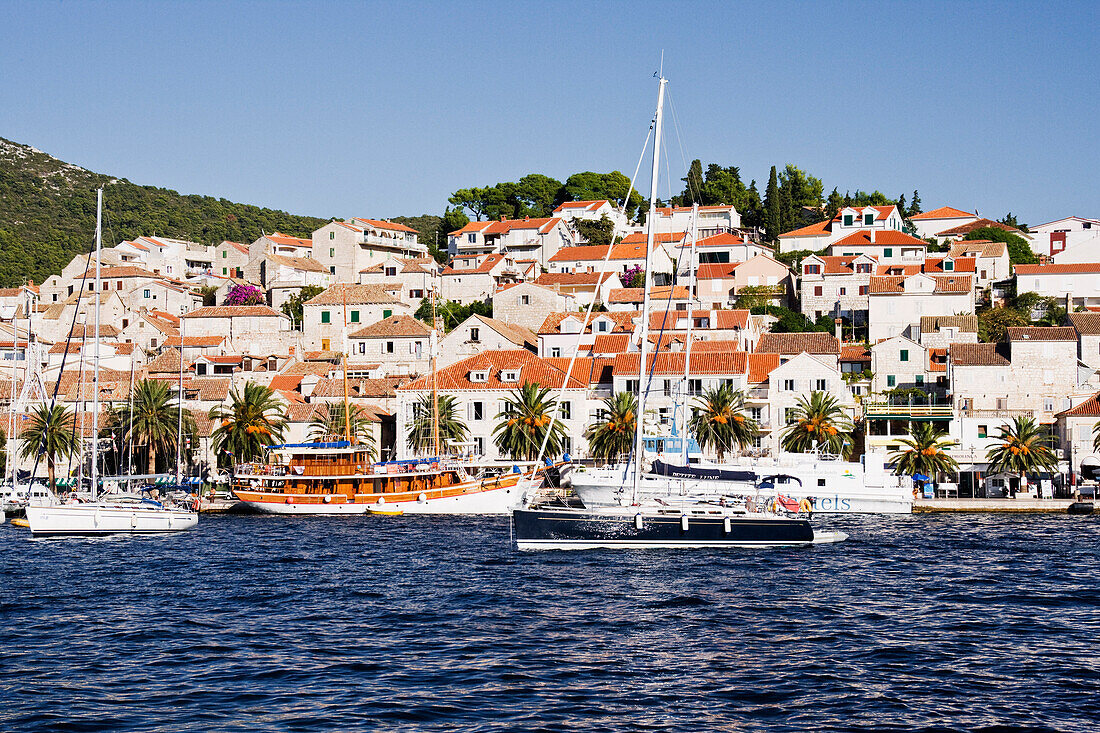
point(887, 411)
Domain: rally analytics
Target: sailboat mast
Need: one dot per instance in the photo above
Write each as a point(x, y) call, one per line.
point(179, 410)
point(435, 382)
point(647, 284)
point(687, 346)
point(344, 348)
point(95, 358)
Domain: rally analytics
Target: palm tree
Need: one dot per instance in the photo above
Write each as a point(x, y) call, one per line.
point(1021, 450)
point(451, 429)
point(329, 424)
point(1096, 437)
point(150, 421)
point(924, 452)
point(527, 418)
point(254, 419)
point(719, 420)
point(612, 435)
point(50, 433)
point(821, 420)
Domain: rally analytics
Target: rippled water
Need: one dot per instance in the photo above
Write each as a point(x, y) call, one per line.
point(376, 623)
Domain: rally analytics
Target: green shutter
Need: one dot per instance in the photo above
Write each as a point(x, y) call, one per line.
point(905, 354)
point(920, 379)
point(387, 313)
point(890, 380)
point(888, 252)
point(325, 317)
point(355, 316)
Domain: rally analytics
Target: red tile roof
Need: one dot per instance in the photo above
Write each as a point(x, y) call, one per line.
point(895, 284)
point(383, 224)
point(1075, 268)
point(658, 237)
point(1042, 333)
point(289, 241)
point(610, 343)
point(716, 270)
point(977, 355)
point(790, 344)
point(586, 205)
point(672, 362)
point(596, 253)
point(813, 230)
point(550, 279)
point(1086, 323)
point(979, 224)
point(1088, 408)
point(855, 352)
point(883, 237)
point(506, 225)
point(354, 295)
point(944, 212)
point(199, 341)
point(624, 321)
point(531, 369)
point(392, 327)
point(486, 266)
point(656, 293)
point(286, 381)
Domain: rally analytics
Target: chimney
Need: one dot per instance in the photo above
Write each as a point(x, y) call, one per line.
point(1069, 303)
point(839, 324)
point(292, 351)
point(872, 236)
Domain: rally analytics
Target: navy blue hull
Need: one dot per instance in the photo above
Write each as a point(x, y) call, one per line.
point(566, 528)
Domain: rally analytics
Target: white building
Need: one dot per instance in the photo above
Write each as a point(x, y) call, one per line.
point(534, 239)
point(399, 343)
point(897, 302)
point(1068, 239)
point(930, 223)
point(480, 333)
point(847, 221)
point(1080, 282)
point(324, 315)
point(346, 248)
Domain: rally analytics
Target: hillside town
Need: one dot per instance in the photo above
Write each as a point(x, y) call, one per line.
point(349, 310)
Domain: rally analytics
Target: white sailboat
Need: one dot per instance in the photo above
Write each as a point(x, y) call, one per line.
point(50, 516)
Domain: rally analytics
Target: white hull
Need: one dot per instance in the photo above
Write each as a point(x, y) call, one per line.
point(94, 519)
point(492, 501)
point(842, 494)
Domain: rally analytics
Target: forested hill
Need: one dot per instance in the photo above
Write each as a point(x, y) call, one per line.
point(47, 214)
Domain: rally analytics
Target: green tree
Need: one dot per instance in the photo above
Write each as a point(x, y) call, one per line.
point(538, 193)
point(613, 186)
point(525, 422)
point(800, 189)
point(612, 435)
point(1096, 437)
point(914, 205)
point(833, 204)
point(1021, 449)
point(773, 211)
point(818, 419)
point(209, 294)
point(693, 185)
point(451, 313)
point(718, 420)
point(1019, 251)
point(254, 420)
point(924, 452)
point(50, 433)
point(451, 428)
point(596, 233)
point(329, 423)
point(149, 421)
point(293, 306)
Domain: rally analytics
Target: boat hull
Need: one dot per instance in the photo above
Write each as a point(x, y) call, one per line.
point(549, 529)
point(449, 501)
point(90, 520)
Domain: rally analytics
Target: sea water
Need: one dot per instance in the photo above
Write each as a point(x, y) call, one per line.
point(963, 622)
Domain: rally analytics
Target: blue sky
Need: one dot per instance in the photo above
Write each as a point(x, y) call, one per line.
point(383, 108)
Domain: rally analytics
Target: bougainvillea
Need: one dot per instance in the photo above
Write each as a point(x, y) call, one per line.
point(244, 295)
point(634, 277)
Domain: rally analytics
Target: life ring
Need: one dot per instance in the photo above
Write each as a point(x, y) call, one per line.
point(805, 506)
point(289, 500)
point(328, 499)
point(422, 498)
point(381, 500)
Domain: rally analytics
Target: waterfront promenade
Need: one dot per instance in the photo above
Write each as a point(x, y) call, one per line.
point(1022, 505)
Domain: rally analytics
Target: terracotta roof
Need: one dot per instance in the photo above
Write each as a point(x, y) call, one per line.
point(722, 239)
point(881, 212)
point(790, 344)
point(506, 225)
point(591, 371)
point(937, 360)
point(895, 284)
point(121, 271)
point(656, 293)
point(531, 368)
point(167, 362)
point(586, 205)
point(1086, 323)
point(977, 355)
point(965, 324)
point(715, 270)
point(977, 248)
point(233, 311)
point(106, 330)
point(357, 388)
point(1042, 333)
point(239, 246)
point(486, 266)
point(1076, 268)
point(624, 321)
point(837, 264)
point(760, 367)
point(706, 346)
point(668, 210)
point(355, 295)
point(672, 362)
point(329, 356)
point(659, 238)
point(286, 240)
point(813, 230)
point(316, 368)
point(383, 224)
point(307, 264)
point(963, 229)
point(518, 335)
point(391, 327)
point(722, 320)
point(210, 389)
point(550, 279)
point(198, 341)
point(883, 237)
point(855, 352)
point(1088, 408)
point(286, 381)
point(944, 212)
point(595, 253)
point(610, 343)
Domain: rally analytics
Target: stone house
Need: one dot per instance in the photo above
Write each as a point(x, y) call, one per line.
point(798, 376)
point(1087, 327)
point(1075, 428)
point(410, 279)
point(889, 247)
point(474, 278)
point(897, 302)
point(837, 286)
point(991, 261)
point(345, 248)
point(401, 344)
point(625, 255)
point(900, 362)
point(324, 314)
point(563, 334)
point(526, 304)
point(824, 347)
point(481, 333)
point(1077, 284)
point(584, 286)
point(230, 259)
point(522, 239)
point(939, 332)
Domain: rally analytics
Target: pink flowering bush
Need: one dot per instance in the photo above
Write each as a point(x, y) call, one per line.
point(634, 277)
point(244, 295)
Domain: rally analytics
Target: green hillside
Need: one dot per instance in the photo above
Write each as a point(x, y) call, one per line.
point(47, 214)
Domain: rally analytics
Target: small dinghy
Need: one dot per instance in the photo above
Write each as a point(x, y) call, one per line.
point(1080, 508)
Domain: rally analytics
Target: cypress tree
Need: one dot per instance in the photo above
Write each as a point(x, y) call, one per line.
point(773, 211)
